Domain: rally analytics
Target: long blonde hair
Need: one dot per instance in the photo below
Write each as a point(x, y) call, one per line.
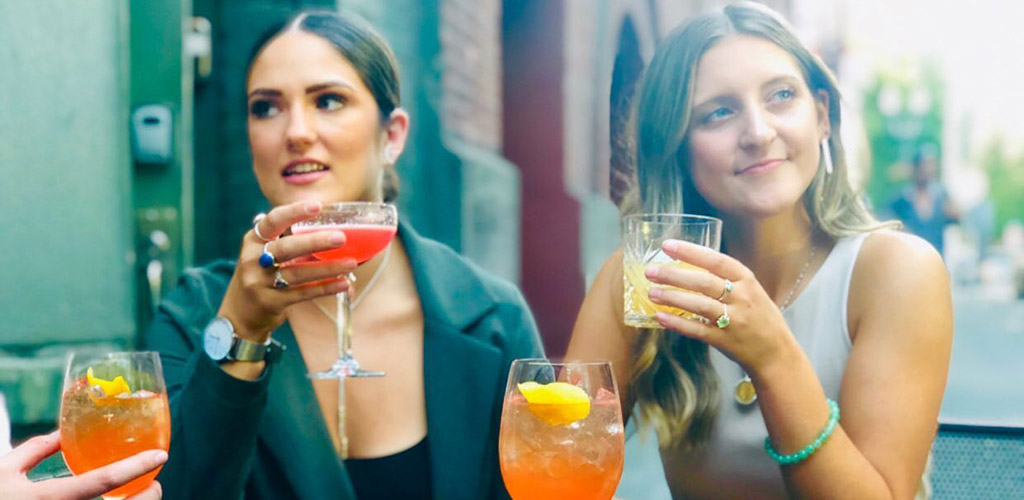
point(675, 386)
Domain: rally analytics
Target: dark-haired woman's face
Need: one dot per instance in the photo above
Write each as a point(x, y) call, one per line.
point(314, 127)
point(756, 128)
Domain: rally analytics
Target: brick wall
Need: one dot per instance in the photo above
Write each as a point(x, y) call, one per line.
point(470, 33)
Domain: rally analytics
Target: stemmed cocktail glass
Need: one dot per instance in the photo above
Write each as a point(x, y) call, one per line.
point(561, 431)
point(369, 228)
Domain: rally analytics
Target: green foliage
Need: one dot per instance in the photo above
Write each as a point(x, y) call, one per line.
point(915, 93)
point(1006, 182)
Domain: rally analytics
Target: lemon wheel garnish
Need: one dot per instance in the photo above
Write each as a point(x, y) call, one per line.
point(557, 403)
point(110, 388)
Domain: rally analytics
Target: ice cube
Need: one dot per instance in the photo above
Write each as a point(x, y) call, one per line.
point(605, 395)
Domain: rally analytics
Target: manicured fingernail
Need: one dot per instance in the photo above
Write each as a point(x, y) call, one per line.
point(336, 238)
point(661, 317)
point(160, 457)
point(651, 272)
point(311, 207)
point(654, 293)
point(671, 245)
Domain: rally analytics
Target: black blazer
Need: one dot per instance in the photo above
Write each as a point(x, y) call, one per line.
point(266, 439)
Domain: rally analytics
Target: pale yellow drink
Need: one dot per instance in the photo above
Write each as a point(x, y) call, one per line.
point(639, 310)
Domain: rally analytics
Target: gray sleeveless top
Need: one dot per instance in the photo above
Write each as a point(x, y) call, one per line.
point(734, 461)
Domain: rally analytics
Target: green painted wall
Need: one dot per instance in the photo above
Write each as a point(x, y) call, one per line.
point(66, 235)
point(65, 197)
point(162, 194)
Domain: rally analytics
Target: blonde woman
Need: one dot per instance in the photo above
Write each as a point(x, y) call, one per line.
point(838, 327)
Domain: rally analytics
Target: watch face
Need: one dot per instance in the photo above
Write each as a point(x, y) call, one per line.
point(217, 339)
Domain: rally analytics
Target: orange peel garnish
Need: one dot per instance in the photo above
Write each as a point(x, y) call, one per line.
point(107, 388)
point(557, 403)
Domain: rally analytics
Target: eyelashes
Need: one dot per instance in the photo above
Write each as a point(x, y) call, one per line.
point(330, 101)
point(263, 108)
point(266, 108)
point(777, 100)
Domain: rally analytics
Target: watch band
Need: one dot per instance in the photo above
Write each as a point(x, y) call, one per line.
point(247, 350)
point(222, 344)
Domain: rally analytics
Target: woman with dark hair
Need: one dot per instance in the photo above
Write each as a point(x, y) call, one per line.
point(830, 334)
point(325, 125)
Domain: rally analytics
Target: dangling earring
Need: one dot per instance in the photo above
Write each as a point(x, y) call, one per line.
point(389, 155)
point(826, 156)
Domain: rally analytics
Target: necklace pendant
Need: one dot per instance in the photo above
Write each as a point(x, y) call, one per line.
point(744, 392)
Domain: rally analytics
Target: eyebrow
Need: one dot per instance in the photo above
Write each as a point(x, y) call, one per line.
point(769, 83)
point(309, 90)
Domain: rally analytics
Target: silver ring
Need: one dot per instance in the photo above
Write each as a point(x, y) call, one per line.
point(279, 282)
point(256, 227)
point(267, 259)
point(725, 291)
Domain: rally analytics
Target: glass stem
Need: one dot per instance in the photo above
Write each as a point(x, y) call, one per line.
point(345, 319)
point(342, 435)
point(344, 322)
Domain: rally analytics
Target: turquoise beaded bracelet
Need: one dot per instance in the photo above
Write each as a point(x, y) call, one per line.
point(804, 454)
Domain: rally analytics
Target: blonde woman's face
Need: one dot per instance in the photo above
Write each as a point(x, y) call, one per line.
point(756, 128)
point(314, 126)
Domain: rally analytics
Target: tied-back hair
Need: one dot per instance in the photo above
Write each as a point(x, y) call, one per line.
point(676, 388)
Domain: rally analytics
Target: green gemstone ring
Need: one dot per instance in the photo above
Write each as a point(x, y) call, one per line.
point(723, 320)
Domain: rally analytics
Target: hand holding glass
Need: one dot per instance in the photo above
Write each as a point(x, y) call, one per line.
point(642, 237)
point(369, 228)
point(113, 406)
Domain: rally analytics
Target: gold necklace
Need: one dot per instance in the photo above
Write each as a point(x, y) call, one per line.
point(377, 273)
point(745, 393)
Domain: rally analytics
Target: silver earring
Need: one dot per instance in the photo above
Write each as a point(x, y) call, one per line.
point(826, 156)
point(389, 155)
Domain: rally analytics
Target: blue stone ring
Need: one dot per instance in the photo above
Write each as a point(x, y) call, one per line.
point(267, 259)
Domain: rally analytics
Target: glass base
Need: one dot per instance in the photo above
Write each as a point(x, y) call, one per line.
point(642, 321)
point(345, 367)
point(639, 320)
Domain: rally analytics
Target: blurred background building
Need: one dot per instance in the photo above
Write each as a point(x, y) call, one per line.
point(126, 159)
point(518, 112)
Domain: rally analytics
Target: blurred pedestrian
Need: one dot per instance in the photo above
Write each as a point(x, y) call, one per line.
point(924, 206)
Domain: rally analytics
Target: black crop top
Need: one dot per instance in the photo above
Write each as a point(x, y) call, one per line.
point(404, 475)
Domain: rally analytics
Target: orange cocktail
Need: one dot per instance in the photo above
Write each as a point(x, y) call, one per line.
point(104, 419)
point(562, 441)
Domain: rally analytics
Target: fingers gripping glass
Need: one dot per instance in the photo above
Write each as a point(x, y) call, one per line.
point(113, 406)
point(642, 237)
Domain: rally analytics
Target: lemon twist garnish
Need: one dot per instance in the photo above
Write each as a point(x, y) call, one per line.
point(557, 403)
point(110, 388)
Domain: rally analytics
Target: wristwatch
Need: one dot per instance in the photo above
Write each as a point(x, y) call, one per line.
point(222, 344)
